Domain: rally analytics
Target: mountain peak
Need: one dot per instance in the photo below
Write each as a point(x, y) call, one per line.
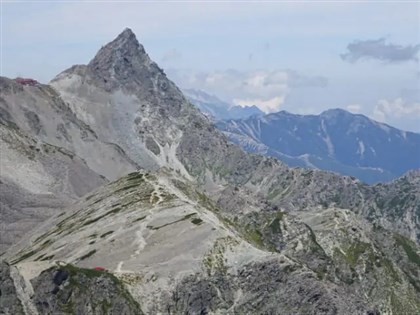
point(125, 38)
point(120, 61)
point(127, 33)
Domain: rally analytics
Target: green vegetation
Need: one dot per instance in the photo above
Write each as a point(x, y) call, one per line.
point(154, 199)
point(89, 273)
point(140, 218)
point(128, 187)
point(391, 270)
point(409, 248)
point(132, 180)
point(275, 224)
point(315, 245)
point(106, 234)
point(206, 202)
point(354, 252)
point(87, 255)
point(47, 258)
point(186, 217)
point(275, 192)
point(197, 221)
point(89, 197)
point(254, 236)
point(113, 211)
point(227, 221)
point(214, 261)
point(40, 257)
point(24, 256)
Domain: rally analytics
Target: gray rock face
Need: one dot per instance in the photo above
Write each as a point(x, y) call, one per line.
point(65, 289)
point(40, 112)
point(49, 158)
point(71, 290)
point(36, 180)
point(9, 301)
point(264, 288)
point(257, 261)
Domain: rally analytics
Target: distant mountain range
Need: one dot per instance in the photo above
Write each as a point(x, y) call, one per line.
point(216, 109)
point(335, 140)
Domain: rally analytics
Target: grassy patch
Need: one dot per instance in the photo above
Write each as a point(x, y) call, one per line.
point(409, 248)
point(354, 252)
point(275, 224)
point(205, 201)
point(197, 221)
point(106, 234)
point(93, 220)
point(140, 218)
point(315, 245)
point(215, 260)
point(24, 256)
point(254, 236)
point(154, 199)
point(227, 221)
point(128, 187)
point(47, 258)
point(186, 217)
point(113, 211)
point(87, 255)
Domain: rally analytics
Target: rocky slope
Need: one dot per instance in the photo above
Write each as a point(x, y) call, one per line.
point(258, 262)
point(204, 227)
point(49, 157)
point(64, 289)
point(335, 140)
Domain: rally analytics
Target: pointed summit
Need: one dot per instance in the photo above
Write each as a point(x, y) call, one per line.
point(127, 33)
point(121, 62)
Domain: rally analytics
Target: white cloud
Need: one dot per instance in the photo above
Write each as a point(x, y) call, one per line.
point(387, 111)
point(267, 89)
point(171, 55)
point(354, 108)
point(268, 106)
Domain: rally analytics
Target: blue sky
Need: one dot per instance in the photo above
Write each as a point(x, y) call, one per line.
point(280, 55)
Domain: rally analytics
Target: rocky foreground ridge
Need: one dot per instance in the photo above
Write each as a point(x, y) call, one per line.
point(111, 166)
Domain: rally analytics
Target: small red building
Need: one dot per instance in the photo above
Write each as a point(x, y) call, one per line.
point(27, 81)
point(99, 269)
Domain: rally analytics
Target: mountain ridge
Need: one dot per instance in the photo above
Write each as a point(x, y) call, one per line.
point(241, 224)
point(217, 109)
point(335, 140)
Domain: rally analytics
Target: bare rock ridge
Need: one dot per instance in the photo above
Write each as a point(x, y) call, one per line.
point(122, 61)
point(203, 227)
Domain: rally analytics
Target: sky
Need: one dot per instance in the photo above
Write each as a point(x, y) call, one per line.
point(301, 56)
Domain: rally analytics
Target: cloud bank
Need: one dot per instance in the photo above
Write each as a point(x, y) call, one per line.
point(267, 89)
point(388, 110)
point(379, 50)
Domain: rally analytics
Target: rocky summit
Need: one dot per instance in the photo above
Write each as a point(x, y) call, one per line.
point(119, 197)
